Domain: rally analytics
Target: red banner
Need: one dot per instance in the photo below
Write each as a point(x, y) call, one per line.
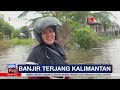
point(10, 74)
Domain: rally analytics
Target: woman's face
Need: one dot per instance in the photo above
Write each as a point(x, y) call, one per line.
point(48, 35)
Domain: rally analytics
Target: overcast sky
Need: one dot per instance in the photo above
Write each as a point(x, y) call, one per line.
point(17, 23)
point(14, 21)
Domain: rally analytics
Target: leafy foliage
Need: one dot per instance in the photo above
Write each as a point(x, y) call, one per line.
point(1, 35)
point(6, 28)
point(86, 38)
point(75, 30)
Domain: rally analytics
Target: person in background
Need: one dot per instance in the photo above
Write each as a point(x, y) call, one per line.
point(48, 52)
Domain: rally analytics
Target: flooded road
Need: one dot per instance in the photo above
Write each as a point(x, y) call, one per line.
point(14, 55)
point(109, 54)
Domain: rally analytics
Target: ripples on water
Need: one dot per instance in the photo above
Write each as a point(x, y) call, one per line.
point(110, 54)
point(14, 55)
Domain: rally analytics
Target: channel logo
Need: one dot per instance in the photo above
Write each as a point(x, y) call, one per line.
point(11, 68)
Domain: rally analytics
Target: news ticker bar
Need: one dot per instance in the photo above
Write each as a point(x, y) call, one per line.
point(57, 74)
point(63, 74)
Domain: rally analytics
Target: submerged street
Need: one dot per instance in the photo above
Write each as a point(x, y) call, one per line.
point(109, 54)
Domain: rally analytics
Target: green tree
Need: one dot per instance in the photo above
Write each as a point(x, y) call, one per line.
point(74, 26)
point(15, 33)
point(6, 28)
point(65, 17)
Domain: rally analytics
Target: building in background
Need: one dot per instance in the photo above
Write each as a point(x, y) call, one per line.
point(113, 30)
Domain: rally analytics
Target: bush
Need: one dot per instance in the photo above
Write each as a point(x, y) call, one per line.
point(17, 41)
point(1, 35)
point(86, 38)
